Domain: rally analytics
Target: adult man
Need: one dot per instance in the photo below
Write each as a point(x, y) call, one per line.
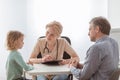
point(102, 57)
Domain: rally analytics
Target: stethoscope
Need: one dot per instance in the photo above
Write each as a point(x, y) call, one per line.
point(46, 49)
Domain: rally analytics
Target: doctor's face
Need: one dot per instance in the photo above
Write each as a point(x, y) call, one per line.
point(50, 34)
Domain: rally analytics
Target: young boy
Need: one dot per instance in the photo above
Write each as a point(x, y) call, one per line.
point(15, 63)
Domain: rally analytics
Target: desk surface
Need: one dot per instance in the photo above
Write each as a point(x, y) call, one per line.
point(49, 69)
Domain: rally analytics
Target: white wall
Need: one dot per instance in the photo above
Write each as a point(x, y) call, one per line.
point(114, 12)
point(99, 8)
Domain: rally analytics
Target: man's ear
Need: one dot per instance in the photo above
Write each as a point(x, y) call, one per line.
point(97, 29)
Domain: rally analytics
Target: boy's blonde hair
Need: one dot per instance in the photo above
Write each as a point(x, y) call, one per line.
point(12, 37)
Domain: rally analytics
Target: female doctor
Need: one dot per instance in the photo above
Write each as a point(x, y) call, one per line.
point(52, 47)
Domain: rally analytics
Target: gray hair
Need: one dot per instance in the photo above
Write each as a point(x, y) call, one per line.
point(103, 24)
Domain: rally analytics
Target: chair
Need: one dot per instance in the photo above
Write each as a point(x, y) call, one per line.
point(115, 75)
point(65, 54)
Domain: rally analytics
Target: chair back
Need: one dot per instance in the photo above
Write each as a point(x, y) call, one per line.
point(115, 75)
point(65, 54)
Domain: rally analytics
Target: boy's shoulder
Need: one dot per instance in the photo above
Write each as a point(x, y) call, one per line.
point(14, 53)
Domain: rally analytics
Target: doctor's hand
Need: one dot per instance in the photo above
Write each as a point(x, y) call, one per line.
point(47, 58)
point(64, 61)
point(70, 62)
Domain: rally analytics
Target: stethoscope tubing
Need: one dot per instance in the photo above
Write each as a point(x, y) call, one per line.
point(46, 48)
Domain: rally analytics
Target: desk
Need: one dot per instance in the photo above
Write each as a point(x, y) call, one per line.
point(43, 69)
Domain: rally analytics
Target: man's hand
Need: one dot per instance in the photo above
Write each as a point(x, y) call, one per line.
point(80, 66)
point(73, 62)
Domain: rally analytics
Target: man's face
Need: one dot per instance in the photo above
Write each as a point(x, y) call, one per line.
point(92, 32)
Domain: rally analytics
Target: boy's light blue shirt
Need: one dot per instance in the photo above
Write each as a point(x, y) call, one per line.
point(15, 65)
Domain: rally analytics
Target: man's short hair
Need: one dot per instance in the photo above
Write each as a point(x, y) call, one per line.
point(102, 23)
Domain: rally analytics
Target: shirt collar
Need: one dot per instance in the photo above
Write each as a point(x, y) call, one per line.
point(102, 38)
